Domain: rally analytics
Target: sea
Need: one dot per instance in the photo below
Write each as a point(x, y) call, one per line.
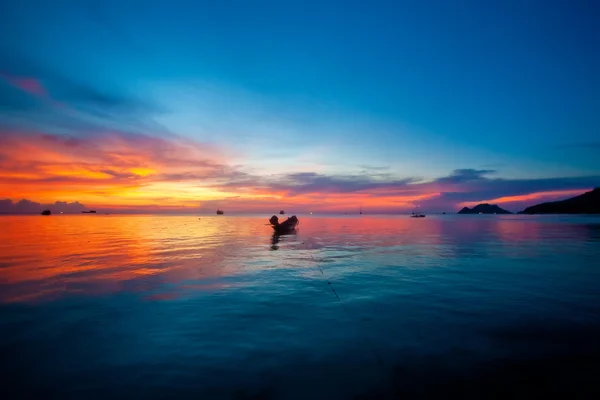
point(347, 307)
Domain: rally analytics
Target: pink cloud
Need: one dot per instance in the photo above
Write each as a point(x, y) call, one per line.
point(30, 85)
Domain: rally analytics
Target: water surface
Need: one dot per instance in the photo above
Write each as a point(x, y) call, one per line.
point(349, 307)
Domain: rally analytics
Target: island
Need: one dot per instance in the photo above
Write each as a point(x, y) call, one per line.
point(587, 203)
point(484, 209)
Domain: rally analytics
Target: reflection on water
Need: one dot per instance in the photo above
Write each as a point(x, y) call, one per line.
point(220, 307)
point(277, 237)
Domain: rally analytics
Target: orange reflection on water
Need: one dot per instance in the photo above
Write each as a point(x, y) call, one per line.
point(47, 256)
point(165, 257)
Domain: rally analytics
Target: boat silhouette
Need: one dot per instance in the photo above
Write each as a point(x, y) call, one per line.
point(287, 226)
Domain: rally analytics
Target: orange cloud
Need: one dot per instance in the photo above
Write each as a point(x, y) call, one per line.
point(117, 170)
point(114, 165)
point(132, 171)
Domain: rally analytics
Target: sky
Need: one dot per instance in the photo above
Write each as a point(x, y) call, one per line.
point(255, 106)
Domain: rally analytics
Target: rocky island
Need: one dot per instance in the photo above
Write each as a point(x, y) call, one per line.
point(587, 203)
point(484, 209)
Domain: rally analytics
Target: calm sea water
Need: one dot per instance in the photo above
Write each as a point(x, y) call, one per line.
point(94, 306)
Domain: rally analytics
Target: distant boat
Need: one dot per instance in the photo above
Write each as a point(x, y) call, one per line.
point(89, 212)
point(220, 212)
point(360, 212)
point(417, 215)
point(46, 212)
point(281, 212)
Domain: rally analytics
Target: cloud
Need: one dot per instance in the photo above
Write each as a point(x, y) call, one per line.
point(123, 164)
point(310, 182)
point(344, 192)
point(465, 175)
point(128, 171)
point(29, 85)
point(25, 206)
point(38, 79)
point(467, 187)
point(60, 103)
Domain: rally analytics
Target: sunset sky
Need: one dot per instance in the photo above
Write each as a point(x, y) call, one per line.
point(307, 106)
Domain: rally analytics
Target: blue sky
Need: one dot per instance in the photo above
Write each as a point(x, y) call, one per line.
point(423, 88)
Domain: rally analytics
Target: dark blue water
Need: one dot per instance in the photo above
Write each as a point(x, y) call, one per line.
point(349, 307)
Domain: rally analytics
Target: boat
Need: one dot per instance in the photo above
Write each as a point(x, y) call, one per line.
point(281, 212)
point(220, 212)
point(417, 215)
point(360, 212)
point(46, 212)
point(89, 212)
point(287, 226)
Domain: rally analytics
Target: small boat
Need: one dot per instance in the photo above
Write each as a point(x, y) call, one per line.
point(89, 212)
point(220, 212)
point(417, 215)
point(281, 212)
point(286, 226)
point(46, 212)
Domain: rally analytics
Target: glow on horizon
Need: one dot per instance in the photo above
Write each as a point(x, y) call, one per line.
point(128, 172)
point(537, 196)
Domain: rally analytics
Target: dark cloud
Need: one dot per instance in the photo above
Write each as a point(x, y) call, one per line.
point(118, 174)
point(100, 102)
point(25, 206)
point(465, 175)
point(62, 102)
point(221, 175)
point(493, 188)
point(462, 185)
point(311, 182)
point(16, 68)
point(482, 188)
